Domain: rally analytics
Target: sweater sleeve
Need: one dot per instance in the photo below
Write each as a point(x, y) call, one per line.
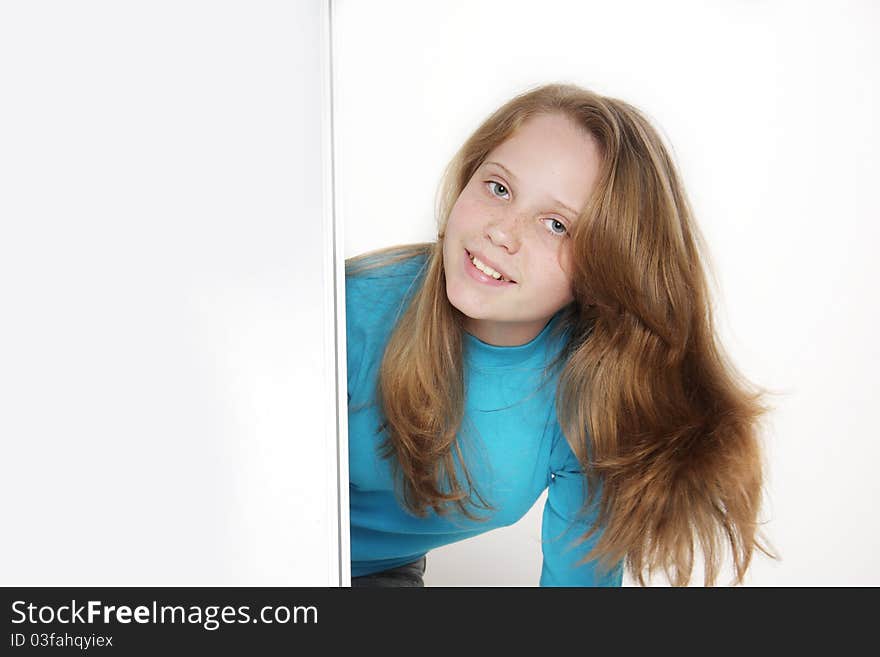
point(373, 301)
point(561, 527)
point(355, 331)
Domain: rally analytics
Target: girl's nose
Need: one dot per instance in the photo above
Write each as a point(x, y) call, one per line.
point(506, 231)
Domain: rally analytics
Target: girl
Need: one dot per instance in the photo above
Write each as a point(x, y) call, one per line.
point(557, 335)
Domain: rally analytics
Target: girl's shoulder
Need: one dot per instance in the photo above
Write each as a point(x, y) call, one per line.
point(392, 262)
point(384, 278)
point(376, 294)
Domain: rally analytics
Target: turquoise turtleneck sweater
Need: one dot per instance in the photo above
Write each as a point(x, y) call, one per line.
point(513, 450)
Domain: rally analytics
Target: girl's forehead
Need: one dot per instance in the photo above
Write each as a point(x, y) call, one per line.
point(551, 155)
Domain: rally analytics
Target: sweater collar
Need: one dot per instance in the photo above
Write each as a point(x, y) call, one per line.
point(483, 354)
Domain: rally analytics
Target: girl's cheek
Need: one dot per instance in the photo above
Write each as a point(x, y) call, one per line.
point(563, 260)
point(470, 214)
point(455, 218)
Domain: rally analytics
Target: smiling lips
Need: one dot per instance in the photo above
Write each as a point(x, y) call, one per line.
point(485, 273)
point(490, 266)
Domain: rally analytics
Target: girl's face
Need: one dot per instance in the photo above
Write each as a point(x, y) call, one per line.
point(515, 215)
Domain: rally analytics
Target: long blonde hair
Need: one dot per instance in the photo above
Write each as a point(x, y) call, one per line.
point(659, 418)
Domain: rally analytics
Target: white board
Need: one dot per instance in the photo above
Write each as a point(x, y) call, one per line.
point(168, 402)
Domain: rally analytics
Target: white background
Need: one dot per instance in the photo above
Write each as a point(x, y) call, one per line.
point(167, 398)
point(770, 110)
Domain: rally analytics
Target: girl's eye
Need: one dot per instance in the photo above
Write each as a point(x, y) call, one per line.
point(561, 225)
point(500, 187)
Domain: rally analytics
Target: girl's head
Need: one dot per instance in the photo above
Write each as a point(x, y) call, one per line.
point(572, 196)
point(516, 214)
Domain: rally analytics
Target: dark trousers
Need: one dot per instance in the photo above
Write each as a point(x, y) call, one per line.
point(407, 575)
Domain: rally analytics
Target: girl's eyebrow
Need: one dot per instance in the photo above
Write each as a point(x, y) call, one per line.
point(513, 176)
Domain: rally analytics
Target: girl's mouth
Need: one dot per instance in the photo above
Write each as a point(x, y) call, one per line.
point(481, 276)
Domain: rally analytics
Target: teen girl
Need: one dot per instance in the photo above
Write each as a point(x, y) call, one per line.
point(557, 335)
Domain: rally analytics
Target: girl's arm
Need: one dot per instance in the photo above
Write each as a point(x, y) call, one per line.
point(561, 527)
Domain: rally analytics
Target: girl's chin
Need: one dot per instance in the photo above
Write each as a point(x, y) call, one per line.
point(472, 309)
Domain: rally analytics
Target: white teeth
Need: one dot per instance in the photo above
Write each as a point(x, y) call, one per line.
point(486, 269)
